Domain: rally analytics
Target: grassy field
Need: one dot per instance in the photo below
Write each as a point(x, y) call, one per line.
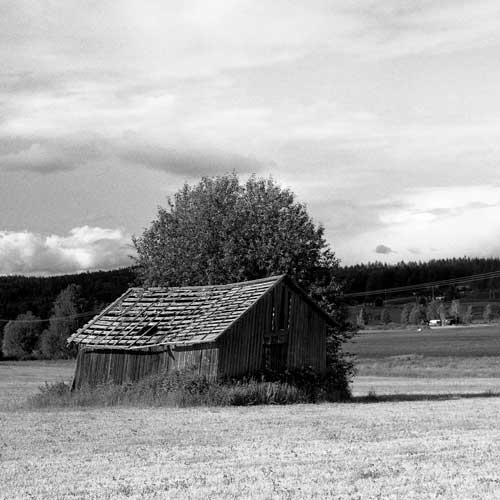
point(418, 365)
point(399, 450)
point(451, 360)
point(432, 437)
point(19, 379)
point(456, 342)
point(398, 376)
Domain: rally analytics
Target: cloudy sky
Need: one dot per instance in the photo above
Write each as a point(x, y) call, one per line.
point(383, 117)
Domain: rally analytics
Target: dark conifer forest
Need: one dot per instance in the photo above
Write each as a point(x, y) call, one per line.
point(19, 294)
point(377, 276)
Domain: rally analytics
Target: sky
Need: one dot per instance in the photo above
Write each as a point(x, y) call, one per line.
point(382, 117)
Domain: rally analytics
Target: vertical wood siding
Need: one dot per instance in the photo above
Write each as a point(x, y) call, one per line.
point(282, 319)
point(282, 316)
point(98, 366)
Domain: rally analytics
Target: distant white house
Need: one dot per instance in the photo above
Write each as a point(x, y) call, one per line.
point(438, 322)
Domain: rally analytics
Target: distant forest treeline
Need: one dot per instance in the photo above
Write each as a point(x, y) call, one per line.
point(19, 294)
point(78, 297)
point(376, 276)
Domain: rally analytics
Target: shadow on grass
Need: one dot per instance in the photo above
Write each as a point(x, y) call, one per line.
point(390, 398)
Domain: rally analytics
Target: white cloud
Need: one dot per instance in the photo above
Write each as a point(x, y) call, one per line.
point(399, 28)
point(179, 38)
point(344, 102)
point(435, 222)
point(173, 74)
point(83, 248)
point(426, 205)
point(195, 37)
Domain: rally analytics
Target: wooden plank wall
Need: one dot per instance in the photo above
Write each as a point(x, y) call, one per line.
point(98, 366)
point(303, 329)
point(307, 335)
point(240, 347)
point(280, 316)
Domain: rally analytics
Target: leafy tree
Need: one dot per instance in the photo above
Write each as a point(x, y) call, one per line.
point(433, 309)
point(63, 322)
point(442, 311)
point(362, 317)
point(455, 310)
point(385, 316)
point(405, 314)
point(221, 231)
point(488, 313)
point(468, 315)
point(21, 336)
point(416, 314)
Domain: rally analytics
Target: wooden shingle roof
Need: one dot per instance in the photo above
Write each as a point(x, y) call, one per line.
point(145, 317)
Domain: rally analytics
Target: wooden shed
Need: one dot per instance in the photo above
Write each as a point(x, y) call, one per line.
point(223, 330)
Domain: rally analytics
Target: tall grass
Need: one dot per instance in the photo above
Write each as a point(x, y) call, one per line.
point(181, 389)
point(420, 366)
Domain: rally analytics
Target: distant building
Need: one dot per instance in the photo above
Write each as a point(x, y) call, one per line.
point(224, 330)
point(447, 322)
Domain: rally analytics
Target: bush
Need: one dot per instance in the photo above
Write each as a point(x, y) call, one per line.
point(468, 316)
point(405, 314)
point(385, 316)
point(488, 313)
point(53, 345)
point(185, 388)
point(258, 393)
point(63, 322)
point(21, 337)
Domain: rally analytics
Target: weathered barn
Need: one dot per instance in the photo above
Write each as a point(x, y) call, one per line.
point(224, 330)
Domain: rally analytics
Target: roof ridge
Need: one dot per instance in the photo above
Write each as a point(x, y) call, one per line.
point(183, 314)
point(274, 278)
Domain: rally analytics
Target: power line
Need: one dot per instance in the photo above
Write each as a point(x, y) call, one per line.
point(380, 291)
point(451, 281)
point(58, 318)
point(430, 284)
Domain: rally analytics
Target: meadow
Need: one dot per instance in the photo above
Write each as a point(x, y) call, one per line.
point(20, 379)
point(450, 360)
point(404, 450)
point(451, 341)
point(432, 433)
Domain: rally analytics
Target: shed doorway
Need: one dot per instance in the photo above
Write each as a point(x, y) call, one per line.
point(274, 357)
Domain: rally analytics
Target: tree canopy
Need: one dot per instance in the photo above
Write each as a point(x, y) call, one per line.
point(21, 336)
point(63, 322)
point(221, 231)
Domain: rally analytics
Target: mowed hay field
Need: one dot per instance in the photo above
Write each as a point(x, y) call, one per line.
point(19, 379)
point(448, 341)
point(449, 360)
point(405, 450)
point(443, 448)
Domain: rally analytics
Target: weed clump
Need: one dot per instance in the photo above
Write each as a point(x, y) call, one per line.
point(186, 388)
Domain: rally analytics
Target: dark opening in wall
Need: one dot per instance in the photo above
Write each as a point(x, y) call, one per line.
point(283, 313)
point(274, 357)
